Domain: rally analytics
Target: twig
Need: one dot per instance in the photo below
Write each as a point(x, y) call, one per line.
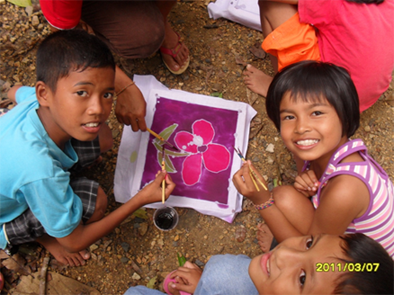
point(43, 276)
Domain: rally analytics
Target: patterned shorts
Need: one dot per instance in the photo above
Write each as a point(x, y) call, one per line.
point(27, 228)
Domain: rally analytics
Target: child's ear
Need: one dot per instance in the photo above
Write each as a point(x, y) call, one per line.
point(43, 94)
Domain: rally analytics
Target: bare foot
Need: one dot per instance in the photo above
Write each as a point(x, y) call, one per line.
point(171, 40)
point(264, 236)
point(257, 80)
point(61, 255)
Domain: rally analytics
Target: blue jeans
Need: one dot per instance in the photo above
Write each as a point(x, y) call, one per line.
point(223, 274)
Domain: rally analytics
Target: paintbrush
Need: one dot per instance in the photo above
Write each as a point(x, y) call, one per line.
point(163, 183)
point(253, 174)
point(161, 139)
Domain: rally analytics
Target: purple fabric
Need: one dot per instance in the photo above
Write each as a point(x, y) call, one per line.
point(211, 186)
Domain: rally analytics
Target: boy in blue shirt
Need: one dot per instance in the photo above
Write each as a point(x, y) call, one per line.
point(58, 126)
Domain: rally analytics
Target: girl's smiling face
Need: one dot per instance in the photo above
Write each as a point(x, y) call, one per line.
point(291, 267)
point(310, 129)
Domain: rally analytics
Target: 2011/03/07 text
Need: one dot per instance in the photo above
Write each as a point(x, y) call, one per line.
point(351, 267)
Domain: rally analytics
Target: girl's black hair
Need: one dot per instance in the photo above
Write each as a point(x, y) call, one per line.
point(315, 81)
point(365, 251)
point(70, 50)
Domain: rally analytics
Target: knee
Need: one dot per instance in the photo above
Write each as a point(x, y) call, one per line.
point(145, 44)
point(105, 139)
point(283, 197)
point(101, 205)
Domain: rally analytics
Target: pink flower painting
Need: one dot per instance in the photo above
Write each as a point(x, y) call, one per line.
point(202, 152)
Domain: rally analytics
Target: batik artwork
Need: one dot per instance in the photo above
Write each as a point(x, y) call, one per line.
point(204, 130)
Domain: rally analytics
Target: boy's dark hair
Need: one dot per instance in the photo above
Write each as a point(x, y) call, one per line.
point(314, 81)
point(366, 251)
point(70, 50)
point(366, 1)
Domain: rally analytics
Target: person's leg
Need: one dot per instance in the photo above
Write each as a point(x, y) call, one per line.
point(272, 15)
point(133, 29)
point(26, 228)
point(171, 39)
point(293, 212)
point(226, 274)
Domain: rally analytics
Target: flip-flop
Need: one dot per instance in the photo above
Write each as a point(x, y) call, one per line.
point(1, 281)
point(168, 280)
point(174, 52)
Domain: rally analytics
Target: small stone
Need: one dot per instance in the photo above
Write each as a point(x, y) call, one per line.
point(270, 148)
point(143, 229)
point(93, 247)
point(136, 276)
point(29, 10)
point(176, 238)
point(35, 21)
point(125, 246)
point(367, 128)
point(270, 160)
point(199, 263)
point(124, 260)
point(117, 230)
point(240, 234)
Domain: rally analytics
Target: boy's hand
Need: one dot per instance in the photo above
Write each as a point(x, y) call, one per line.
point(307, 183)
point(187, 277)
point(131, 108)
point(153, 192)
point(245, 186)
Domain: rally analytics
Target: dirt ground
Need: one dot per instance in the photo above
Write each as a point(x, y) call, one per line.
point(137, 253)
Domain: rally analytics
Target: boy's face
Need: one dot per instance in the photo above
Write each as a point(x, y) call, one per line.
point(80, 105)
point(291, 268)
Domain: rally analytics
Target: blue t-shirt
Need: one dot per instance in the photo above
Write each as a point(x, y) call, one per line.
point(33, 171)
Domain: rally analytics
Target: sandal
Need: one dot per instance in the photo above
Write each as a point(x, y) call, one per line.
point(1, 281)
point(174, 52)
point(168, 280)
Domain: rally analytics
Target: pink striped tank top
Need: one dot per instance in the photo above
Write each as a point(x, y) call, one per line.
point(378, 221)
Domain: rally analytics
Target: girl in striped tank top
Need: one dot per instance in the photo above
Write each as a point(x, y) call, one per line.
point(340, 188)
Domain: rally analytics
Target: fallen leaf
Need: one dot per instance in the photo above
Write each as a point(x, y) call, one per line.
point(257, 51)
point(152, 282)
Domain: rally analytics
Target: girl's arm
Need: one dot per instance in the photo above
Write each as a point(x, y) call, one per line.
point(344, 199)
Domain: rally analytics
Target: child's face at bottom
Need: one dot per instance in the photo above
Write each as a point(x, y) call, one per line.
point(81, 104)
point(290, 268)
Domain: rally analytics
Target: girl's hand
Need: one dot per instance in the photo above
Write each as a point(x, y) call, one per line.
point(245, 186)
point(187, 277)
point(153, 192)
point(307, 183)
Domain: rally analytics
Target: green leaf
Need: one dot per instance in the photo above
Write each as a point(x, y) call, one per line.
point(152, 282)
point(169, 166)
point(217, 94)
point(277, 182)
point(176, 154)
point(166, 133)
point(181, 259)
point(21, 3)
point(140, 213)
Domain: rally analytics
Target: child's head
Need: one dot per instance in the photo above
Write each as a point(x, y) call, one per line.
point(364, 251)
point(75, 85)
point(312, 82)
point(70, 50)
point(315, 265)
